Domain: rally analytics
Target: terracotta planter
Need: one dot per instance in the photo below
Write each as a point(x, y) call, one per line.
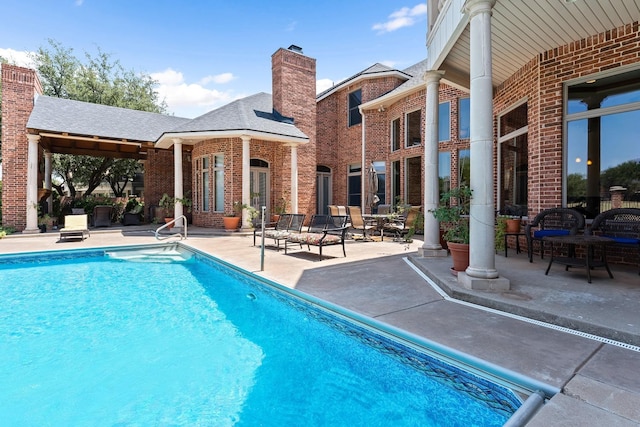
point(513, 226)
point(168, 220)
point(231, 222)
point(459, 255)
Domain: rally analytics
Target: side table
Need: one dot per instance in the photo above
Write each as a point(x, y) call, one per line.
point(517, 236)
point(589, 242)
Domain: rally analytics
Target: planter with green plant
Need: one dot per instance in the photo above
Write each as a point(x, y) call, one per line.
point(453, 215)
point(232, 218)
point(133, 212)
point(167, 204)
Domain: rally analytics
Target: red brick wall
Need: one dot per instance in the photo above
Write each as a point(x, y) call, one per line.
point(540, 82)
point(294, 95)
point(19, 86)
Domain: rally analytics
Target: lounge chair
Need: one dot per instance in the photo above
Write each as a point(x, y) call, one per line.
point(286, 224)
point(75, 226)
point(324, 230)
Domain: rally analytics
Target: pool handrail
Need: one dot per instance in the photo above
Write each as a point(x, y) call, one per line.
point(168, 224)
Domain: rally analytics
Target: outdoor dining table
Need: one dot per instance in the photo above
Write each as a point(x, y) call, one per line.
point(381, 220)
point(571, 260)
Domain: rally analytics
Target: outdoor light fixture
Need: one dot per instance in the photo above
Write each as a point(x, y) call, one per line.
point(589, 162)
point(590, 81)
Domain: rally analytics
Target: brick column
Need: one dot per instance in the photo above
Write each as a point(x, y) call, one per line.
point(617, 196)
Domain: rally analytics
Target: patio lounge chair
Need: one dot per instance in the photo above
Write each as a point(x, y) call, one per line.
point(75, 226)
point(552, 222)
point(286, 224)
point(622, 225)
point(324, 230)
point(102, 216)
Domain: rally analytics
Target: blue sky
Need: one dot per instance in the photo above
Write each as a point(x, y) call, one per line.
point(208, 53)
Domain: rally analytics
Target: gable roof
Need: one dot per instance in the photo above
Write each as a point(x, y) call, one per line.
point(84, 118)
point(414, 83)
point(374, 71)
point(251, 116)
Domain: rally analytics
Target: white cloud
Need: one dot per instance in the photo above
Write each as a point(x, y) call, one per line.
point(20, 58)
point(404, 17)
point(219, 78)
point(323, 84)
point(191, 99)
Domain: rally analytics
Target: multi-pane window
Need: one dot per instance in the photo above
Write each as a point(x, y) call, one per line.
point(355, 99)
point(206, 190)
point(444, 122)
point(412, 127)
point(444, 172)
point(514, 161)
point(395, 135)
point(464, 118)
point(603, 122)
point(218, 182)
point(354, 185)
point(464, 167)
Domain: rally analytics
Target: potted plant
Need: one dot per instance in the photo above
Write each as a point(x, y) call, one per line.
point(167, 204)
point(278, 209)
point(44, 222)
point(232, 218)
point(187, 204)
point(454, 218)
point(132, 212)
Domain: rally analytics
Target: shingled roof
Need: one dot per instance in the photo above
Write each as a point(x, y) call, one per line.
point(51, 114)
point(253, 114)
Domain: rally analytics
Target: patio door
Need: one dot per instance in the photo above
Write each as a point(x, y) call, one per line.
point(323, 186)
point(259, 185)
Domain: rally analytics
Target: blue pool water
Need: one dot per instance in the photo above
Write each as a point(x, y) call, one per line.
point(90, 340)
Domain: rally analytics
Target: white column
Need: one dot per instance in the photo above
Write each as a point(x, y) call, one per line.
point(246, 180)
point(482, 212)
point(32, 184)
point(178, 184)
point(431, 246)
point(294, 178)
point(47, 179)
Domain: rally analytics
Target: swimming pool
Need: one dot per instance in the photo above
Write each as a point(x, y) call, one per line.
point(183, 339)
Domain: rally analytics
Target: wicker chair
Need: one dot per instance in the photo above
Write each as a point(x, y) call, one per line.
point(552, 222)
point(622, 225)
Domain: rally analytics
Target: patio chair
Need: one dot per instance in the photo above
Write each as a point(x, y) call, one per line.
point(323, 230)
point(400, 227)
point(621, 224)
point(75, 226)
point(102, 216)
point(384, 209)
point(552, 222)
point(359, 223)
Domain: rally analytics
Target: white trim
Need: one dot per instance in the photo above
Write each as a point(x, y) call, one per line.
point(191, 138)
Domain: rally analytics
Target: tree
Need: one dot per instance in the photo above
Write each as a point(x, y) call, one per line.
point(99, 80)
point(121, 173)
point(625, 174)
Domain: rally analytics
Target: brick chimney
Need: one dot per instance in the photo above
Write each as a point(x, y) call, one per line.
point(294, 95)
point(19, 88)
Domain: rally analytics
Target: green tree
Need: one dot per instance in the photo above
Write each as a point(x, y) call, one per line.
point(625, 174)
point(99, 80)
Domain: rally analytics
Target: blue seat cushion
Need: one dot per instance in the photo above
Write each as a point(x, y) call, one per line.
point(624, 240)
point(544, 233)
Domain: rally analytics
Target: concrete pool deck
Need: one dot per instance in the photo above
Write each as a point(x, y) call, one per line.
point(600, 380)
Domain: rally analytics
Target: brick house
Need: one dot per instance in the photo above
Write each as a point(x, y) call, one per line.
point(530, 116)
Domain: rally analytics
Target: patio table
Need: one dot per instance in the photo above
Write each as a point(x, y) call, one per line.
point(589, 242)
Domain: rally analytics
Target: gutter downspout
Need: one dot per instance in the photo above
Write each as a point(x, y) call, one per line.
point(363, 179)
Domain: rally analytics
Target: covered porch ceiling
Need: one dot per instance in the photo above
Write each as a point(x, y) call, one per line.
point(64, 143)
point(520, 30)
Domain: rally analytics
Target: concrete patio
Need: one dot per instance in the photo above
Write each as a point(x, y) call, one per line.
point(597, 368)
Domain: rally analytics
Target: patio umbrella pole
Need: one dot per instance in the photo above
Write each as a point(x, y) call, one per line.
point(262, 240)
